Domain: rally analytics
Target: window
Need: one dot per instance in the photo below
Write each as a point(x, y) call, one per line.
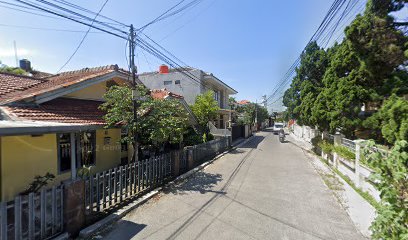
point(87, 148)
point(177, 82)
point(168, 82)
point(216, 95)
point(64, 152)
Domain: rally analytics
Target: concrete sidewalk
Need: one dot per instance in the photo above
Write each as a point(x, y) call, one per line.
point(262, 190)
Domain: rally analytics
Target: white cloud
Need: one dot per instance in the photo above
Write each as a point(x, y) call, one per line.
point(21, 52)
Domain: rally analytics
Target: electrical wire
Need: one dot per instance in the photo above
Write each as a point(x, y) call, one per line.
point(44, 29)
point(83, 38)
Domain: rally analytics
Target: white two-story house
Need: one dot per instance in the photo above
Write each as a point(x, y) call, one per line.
point(191, 82)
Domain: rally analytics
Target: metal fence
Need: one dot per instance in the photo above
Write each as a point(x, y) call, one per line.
point(33, 216)
point(112, 187)
point(208, 150)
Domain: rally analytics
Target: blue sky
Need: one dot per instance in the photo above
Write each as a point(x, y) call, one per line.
point(247, 44)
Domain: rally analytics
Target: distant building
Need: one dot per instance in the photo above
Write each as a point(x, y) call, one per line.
point(189, 83)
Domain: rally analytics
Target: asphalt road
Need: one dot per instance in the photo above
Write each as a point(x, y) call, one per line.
point(263, 190)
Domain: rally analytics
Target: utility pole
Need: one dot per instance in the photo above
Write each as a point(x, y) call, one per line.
point(135, 94)
point(256, 114)
point(15, 54)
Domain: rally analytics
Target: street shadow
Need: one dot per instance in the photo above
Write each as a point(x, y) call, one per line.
point(254, 142)
point(202, 182)
point(123, 229)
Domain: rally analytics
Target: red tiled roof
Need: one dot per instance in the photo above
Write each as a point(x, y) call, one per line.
point(163, 93)
point(243, 102)
point(25, 87)
point(61, 110)
point(10, 83)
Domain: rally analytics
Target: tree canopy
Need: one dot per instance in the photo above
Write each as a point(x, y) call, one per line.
point(159, 120)
point(206, 109)
point(331, 86)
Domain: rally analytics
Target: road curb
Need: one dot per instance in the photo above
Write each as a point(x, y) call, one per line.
point(113, 217)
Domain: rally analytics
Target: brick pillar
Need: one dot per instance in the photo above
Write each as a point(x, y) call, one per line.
point(74, 207)
point(176, 163)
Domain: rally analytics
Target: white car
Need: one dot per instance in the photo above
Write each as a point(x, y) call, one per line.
point(277, 127)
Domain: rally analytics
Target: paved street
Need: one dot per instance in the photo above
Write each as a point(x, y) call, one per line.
point(263, 190)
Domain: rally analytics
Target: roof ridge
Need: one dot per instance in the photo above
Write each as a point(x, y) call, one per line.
point(87, 69)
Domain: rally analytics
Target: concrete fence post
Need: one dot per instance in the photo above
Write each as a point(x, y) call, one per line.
point(190, 159)
point(323, 154)
point(357, 163)
point(337, 142)
point(176, 163)
point(74, 206)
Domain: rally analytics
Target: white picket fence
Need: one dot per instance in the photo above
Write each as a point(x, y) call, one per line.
point(33, 216)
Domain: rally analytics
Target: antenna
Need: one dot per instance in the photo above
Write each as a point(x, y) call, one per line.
point(15, 53)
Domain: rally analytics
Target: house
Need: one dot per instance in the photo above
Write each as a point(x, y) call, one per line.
point(189, 83)
point(53, 124)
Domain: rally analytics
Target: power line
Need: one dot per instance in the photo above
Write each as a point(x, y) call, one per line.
point(89, 11)
point(168, 13)
point(72, 19)
point(321, 33)
point(45, 29)
point(84, 37)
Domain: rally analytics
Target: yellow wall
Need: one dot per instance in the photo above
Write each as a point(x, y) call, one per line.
point(24, 157)
point(94, 92)
point(107, 155)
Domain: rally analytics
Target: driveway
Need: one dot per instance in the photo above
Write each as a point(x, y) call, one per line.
point(263, 190)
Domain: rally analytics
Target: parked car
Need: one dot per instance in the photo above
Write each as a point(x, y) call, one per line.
point(277, 127)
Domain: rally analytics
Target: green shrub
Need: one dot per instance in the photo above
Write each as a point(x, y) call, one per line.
point(344, 152)
point(326, 146)
point(391, 176)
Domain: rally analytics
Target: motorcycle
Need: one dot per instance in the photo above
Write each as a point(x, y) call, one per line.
point(281, 137)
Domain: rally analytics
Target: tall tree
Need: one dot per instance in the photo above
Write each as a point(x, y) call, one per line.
point(306, 85)
point(206, 109)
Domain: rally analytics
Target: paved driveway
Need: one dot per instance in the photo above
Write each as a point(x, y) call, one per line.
point(263, 190)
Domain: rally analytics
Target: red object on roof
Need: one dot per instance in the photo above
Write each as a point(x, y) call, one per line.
point(61, 110)
point(163, 93)
point(244, 102)
point(163, 69)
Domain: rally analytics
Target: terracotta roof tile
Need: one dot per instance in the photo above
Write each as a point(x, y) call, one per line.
point(163, 93)
point(23, 87)
point(61, 110)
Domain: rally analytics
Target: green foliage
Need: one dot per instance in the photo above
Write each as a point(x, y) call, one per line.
point(84, 171)
point(391, 119)
point(391, 176)
point(344, 152)
point(13, 70)
point(206, 109)
point(330, 87)
point(191, 138)
point(159, 121)
point(326, 146)
point(38, 183)
point(249, 112)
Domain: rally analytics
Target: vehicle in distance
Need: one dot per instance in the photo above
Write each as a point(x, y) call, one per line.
point(277, 127)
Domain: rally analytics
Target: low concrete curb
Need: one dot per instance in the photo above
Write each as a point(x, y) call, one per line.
point(92, 229)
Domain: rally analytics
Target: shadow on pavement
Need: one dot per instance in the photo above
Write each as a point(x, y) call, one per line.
point(202, 182)
point(253, 143)
point(129, 229)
